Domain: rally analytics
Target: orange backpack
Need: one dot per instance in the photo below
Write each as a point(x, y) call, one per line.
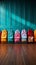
point(34, 35)
point(4, 36)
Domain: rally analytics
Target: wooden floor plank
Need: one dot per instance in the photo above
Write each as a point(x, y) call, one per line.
point(17, 54)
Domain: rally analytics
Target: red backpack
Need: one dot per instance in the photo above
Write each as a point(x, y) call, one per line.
point(30, 36)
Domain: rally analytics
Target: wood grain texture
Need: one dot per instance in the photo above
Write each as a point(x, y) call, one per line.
point(17, 54)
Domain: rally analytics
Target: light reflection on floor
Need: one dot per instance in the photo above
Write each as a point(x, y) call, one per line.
point(18, 54)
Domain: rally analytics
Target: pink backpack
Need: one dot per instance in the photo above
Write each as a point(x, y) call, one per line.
point(17, 36)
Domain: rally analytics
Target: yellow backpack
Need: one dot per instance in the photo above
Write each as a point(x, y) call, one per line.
point(4, 36)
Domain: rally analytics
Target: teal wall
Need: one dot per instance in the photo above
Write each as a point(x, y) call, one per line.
point(17, 15)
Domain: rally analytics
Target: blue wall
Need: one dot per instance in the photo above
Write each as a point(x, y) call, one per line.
point(17, 16)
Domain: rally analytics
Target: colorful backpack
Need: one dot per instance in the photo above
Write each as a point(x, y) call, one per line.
point(23, 35)
point(4, 36)
point(34, 35)
point(17, 36)
point(0, 36)
point(30, 36)
point(10, 36)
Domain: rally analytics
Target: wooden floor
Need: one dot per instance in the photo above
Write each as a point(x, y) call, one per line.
point(17, 54)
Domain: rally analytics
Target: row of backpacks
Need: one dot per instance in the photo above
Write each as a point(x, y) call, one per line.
point(18, 36)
